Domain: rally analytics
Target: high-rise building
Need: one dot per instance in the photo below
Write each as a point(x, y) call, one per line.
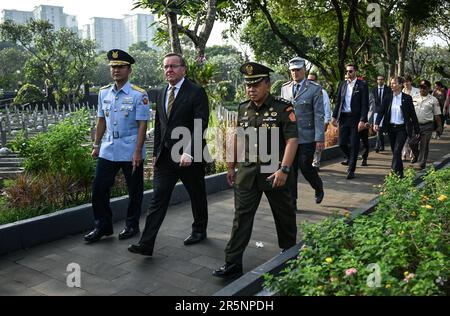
point(53, 14)
point(20, 17)
point(107, 33)
point(111, 33)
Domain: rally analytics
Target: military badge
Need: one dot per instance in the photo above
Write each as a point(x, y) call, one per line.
point(249, 69)
point(115, 54)
point(145, 101)
point(274, 114)
point(266, 114)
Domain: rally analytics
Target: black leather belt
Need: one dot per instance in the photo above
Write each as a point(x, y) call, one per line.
point(397, 125)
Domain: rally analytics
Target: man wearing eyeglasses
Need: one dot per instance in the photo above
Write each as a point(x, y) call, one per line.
point(350, 113)
point(179, 105)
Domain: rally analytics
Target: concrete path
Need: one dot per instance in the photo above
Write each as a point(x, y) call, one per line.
point(109, 269)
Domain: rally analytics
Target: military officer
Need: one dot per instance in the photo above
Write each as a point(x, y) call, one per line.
point(307, 98)
point(123, 112)
point(265, 115)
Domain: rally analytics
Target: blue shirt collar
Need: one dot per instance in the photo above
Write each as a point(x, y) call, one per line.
point(126, 88)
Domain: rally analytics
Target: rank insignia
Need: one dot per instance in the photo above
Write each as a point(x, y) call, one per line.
point(274, 114)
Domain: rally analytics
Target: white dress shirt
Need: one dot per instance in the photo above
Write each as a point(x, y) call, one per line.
point(348, 96)
point(177, 89)
point(396, 111)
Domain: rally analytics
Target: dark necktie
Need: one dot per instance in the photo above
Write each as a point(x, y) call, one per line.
point(171, 99)
point(380, 94)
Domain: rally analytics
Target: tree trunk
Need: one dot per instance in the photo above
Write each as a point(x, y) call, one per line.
point(402, 45)
point(174, 37)
point(201, 39)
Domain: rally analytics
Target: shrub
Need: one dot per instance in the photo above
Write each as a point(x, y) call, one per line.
point(61, 150)
point(28, 93)
point(405, 239)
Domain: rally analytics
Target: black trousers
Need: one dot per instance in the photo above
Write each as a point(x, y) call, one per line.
point(166, 175)
point(303, 160)
point(380, 139)
point(349, 139)
point(105, 174)
point(364, 136)
point(397, 136)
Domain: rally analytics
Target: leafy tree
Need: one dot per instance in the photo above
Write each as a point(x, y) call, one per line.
point(197, 19)
point(11, 70)
point(59, 57)
point(147, 71)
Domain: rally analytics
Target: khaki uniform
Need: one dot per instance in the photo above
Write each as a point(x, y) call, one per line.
point(426, 108)
point(250, 183)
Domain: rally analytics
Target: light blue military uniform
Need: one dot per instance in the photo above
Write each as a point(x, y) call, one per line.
point(121, 110)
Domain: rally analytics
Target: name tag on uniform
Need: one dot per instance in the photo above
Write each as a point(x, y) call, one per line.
point(107, 101)
point(269, 119)
point(127, 100)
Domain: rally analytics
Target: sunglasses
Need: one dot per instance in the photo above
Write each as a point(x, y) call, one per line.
point(349, 71)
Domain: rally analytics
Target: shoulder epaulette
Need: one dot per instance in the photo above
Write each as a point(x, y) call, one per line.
point(314, 83)
point(243, 103)
point(137, 88)
point(286, 83)
point(280, 99)
point(105, 87)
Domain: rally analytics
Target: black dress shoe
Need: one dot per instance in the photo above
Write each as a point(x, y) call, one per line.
point(350, 175)
point(413, 159)
point(344, 163)
point(141, 249)
point(364, 163)
point(319, 196)
point(128, 232)
point(228, 271)
point(377, 150)
point(194, 238)
point(96, 234)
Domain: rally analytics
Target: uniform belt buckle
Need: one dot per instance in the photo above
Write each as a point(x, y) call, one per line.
point(115, 134)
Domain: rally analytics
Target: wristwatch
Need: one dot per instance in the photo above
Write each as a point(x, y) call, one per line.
point(285, 169)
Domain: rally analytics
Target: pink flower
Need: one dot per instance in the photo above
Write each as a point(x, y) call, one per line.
point(409, 277)
point(350, 272)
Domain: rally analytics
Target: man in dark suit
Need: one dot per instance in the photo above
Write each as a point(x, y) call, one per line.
point(180, 105)
point(380, 92)
point(352, 106)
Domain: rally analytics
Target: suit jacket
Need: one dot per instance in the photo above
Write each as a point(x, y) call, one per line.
point(408, 111)
point(309, 110)
point(378, 102)
point(190, 103)
point(359, 103)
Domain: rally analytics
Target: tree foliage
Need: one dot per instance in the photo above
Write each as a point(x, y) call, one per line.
point(60, 57)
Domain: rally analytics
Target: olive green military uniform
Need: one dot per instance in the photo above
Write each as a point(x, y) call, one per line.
point(250, 183)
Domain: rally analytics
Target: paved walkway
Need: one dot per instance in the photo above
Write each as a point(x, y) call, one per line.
point(109, 269)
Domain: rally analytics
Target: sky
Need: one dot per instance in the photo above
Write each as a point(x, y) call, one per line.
point(85, 9)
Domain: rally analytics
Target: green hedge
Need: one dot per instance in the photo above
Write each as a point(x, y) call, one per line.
point(402, 248)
